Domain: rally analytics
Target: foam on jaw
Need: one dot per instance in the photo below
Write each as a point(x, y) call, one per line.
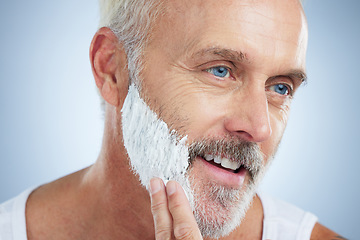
point(153, 150)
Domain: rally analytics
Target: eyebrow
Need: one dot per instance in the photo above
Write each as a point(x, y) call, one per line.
point(232, 55)
point(297, 74)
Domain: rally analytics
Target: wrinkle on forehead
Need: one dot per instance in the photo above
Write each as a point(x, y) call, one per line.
point(262, 30)
point(278, 19)
point(284, 11)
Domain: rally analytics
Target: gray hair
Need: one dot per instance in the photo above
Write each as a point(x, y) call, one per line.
point(131, 22)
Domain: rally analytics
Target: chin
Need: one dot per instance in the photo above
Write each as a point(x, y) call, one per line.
point(219, 210)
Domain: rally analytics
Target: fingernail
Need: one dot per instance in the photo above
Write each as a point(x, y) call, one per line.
point(155, 185)
point(170, 188)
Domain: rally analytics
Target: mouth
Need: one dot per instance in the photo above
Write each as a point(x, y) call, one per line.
point(223, 170)
point(223, 163)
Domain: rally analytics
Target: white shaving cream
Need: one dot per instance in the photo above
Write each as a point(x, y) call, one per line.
point(153, 150)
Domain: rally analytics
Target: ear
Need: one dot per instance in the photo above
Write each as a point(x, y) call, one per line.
point(109, 65)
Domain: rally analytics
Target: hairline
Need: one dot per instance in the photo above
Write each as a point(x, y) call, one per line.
point(136, 40)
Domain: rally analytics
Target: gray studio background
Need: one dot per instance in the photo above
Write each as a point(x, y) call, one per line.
point(51, 123)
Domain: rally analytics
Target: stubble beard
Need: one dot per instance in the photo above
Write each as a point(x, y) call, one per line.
point(155, 151)
point(219, 209)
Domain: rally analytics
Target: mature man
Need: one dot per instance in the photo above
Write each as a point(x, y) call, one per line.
point(194, 91)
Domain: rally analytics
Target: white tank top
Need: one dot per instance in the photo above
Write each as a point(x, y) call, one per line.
point(12, 217)
point(283, 221)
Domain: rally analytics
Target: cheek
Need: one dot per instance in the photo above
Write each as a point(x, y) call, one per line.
point(184, 102)
point(278, 120)
point(202, 110)
point(279, 115)
point(191, 109)
point(206, 113)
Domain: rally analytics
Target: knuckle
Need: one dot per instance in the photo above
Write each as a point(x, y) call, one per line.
point(155, 207)
point(163, 233)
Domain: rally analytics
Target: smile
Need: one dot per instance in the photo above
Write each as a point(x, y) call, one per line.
point(225, 163)
point(223, 170)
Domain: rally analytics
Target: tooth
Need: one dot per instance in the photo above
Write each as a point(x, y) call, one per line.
point(217, 159)
point(208, 157)
point(226, 163)
point(237, 165)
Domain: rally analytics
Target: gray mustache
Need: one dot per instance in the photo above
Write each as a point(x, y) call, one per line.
point(246, 153)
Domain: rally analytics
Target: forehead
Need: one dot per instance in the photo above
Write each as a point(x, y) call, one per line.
point(263, 30)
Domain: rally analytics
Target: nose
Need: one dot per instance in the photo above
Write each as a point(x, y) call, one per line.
point(248, 115)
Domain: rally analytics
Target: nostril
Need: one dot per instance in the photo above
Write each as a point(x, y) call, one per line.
point(243, 135)
point(253, 133)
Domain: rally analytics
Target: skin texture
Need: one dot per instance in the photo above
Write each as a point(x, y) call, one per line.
point(106, 200)
point(198, 104)
point(184, 224)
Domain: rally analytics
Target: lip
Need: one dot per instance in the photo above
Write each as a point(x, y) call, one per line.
point(223, 177)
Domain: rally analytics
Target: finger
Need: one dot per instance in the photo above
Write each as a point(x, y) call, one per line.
point(160, 211)
point(184, 223)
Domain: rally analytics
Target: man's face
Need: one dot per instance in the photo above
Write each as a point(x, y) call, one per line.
point(225, 72)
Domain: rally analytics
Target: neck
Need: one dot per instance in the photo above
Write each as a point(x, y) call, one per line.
point(106, 198)
point(121, 204)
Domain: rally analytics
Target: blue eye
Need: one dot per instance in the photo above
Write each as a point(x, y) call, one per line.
point(280, 89)
point(221, 72)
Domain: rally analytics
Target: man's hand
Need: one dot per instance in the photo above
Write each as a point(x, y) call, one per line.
point(171, 210)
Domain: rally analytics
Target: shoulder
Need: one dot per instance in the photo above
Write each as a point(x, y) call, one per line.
point(321, 232)
point(290, 217)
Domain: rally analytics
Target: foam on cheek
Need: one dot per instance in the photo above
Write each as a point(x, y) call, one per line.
point(152, 149)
